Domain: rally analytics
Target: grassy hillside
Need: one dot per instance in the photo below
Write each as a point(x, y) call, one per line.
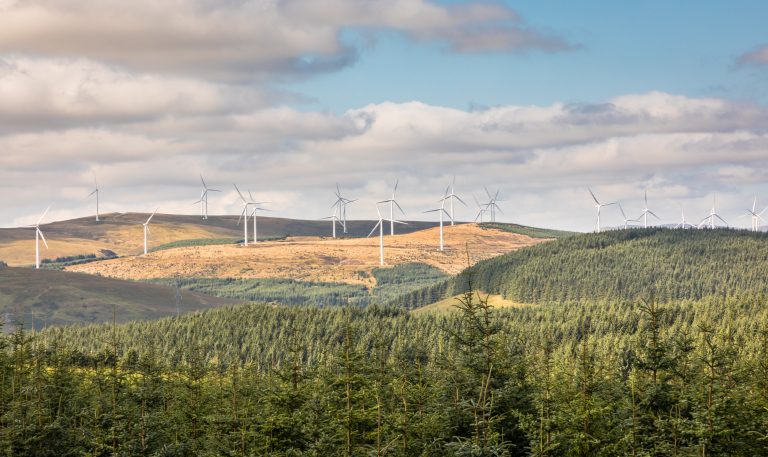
point(57, 297)
point(621, 265)
point(533, 232)
point(122, 234)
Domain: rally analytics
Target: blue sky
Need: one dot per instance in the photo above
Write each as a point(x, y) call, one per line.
point(538, 99)
point(682, 47)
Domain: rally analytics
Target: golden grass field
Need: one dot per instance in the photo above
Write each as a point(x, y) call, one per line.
point(122, 234)
point(315, 258)
point(449, 304)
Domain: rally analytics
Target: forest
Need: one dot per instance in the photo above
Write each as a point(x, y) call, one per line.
point(620, 265)
point(650, 375)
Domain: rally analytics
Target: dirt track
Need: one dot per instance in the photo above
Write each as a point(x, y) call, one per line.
point(316, 259)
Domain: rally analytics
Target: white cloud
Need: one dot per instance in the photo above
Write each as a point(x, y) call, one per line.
point(681, 148)
point(248, 39)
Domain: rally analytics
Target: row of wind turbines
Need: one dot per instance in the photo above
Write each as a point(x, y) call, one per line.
point(339, 217)
point(709, 221)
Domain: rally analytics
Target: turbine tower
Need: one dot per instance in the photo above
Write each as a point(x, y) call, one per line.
point(646, 211)
point(96, 193)
point(710, 219)
point(38, 236)
point(380, 226)
point(626, 219)
point(598, 206)
point(204, 198)
point(452, 196)
point(146, 229)
point(441, 211)
point(392, 203)
point(334, 220)
point(256, 208)
point(244, 215)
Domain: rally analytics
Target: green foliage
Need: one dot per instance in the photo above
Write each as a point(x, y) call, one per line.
point(622, 265)
point(195, 242)
point(391, 284)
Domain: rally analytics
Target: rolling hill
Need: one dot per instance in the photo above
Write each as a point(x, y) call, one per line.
point(57, 297)
point(621, 265)
point(122, 234)
point(316, 259)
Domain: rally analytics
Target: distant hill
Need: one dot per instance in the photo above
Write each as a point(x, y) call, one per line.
point(57, 297)
point(620, 265)
point(122, 234)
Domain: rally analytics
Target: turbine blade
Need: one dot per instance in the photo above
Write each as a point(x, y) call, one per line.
point(43, 237)
point(459, 199)
point(203, 181)
point(653, 214)
point(723, 220)
point(240, 193)
point(152, 215)
point(41, 217)
point(622, 211)
point(593, 196)
point(374, 228)
point(94, 191)
point(398, 207)
point(395, 189)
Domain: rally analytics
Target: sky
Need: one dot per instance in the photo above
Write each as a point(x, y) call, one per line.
point(538, 100)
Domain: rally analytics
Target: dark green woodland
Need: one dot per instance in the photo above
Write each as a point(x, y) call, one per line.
point(638, 343)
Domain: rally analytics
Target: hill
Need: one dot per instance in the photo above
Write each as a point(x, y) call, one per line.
point(621, 265)
point(316, 259)
point(122, 234)
point(57, 297)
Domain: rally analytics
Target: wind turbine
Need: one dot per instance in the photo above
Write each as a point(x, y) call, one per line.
point(334, 220)
point(441, 211)
point(255, 208)
point(683, 223)
point(341, 203)
point(380, 226)
point(756, 217)
point(38, 235)
point(244, 215)
point(599, 206)
point(646, 211)
point(146, 229)
point(492, 206)
point(481, 210)
point(627, 220)
point(712, 215)
point(204, 198)
point(95, 192)
point(392, 203)
point(453, 196)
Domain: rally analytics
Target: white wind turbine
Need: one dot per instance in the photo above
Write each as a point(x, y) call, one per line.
point(492, 205)
point(380, 226)
point(244, 215)
point(441, 211)
point(683, 223)
point(334, 220)
point(452, 196)
point(38, 236)
point(756, 217)
point(392, 203)
point(96, 193)
point(255, 208)
point(598, 206)
point(712, 215)
point(204, 198)
point(341, 204)
point(146, 229)
point(626, 219)
point(646, 211)
point(481, 209)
